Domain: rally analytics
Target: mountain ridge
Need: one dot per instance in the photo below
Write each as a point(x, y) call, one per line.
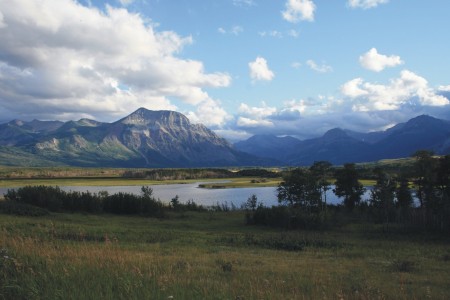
point(144, 138)
point(340, 146)
point(165, 138)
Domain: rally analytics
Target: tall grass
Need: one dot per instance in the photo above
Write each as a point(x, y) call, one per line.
point(211, 255)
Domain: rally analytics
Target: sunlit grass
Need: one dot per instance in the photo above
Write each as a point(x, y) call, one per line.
point(205, 256)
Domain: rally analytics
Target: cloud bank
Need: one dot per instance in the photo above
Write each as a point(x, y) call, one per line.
point(60, 59)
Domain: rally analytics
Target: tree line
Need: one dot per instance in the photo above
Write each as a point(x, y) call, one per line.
point(303, 203)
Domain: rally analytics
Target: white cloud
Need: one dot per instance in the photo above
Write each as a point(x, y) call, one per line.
point(352, 88)
point(299, 10)
point(272, 33)
point(319, 68)
point(296, 65)
point(244, 2)
point(374, 61)
point(209, 113)
point(278, 34)
point(408, 88)
point(255, 116)
point(235, 30)
point(444, 88)
point(259, 70)
point(61, 56)
point(247, 122)
point(365, 4)
point(126, 2)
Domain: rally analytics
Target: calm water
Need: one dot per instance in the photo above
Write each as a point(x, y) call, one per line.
point(207, 197)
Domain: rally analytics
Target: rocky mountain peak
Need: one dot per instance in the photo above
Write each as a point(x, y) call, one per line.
point(145, 117)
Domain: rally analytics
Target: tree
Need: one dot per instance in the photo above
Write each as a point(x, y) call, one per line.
point(251, 203)
point(383, 194)
point(403, 193)
point(348, 186)
point(424, 173)
point(299, 189)
point(320, 170)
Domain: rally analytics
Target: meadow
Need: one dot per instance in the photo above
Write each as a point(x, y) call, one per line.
point(214, 255)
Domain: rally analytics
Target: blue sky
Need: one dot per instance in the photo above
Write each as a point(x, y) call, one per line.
point(241, 67)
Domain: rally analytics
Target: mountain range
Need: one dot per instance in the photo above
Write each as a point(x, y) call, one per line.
point(167, 139)
point(339, 146)
point(143, 139)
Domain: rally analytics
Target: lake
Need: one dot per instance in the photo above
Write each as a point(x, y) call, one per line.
point(191, 191)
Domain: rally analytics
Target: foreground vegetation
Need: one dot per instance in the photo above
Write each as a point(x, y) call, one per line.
point(213, 255)
point(72, 245)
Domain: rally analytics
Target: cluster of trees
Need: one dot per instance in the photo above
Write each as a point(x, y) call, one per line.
point(303, 202)
point(56, 200)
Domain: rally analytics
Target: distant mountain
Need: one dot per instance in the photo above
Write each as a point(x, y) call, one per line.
point(269, 146)
point(143, 139)
point(335, 146)
point(422, 132)
point(339, 146)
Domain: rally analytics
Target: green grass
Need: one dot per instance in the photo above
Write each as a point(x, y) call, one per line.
point(213, 255)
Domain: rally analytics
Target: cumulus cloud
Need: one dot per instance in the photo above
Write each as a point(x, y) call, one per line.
point(299, 10)
point(210, 113)
point(365, 4)
point(255, 116)
point(319, 68)
point(409, 88)
point(259, 70)
point(374, 61)
point(60, 58)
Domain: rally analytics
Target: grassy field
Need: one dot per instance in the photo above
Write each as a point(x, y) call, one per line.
point(213, 255)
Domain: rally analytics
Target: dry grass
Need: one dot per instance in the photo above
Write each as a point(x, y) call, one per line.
point(190, 256)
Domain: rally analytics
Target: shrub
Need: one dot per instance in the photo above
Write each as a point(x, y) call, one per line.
point(21, 209)
point(42, 196)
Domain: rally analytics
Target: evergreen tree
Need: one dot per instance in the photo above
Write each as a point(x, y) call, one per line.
point(348, 186)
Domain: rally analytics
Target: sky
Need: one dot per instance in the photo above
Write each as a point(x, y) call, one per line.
point(240, 67)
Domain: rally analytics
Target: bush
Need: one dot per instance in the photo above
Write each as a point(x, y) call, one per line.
point(54, 199)
point(42, 196)
point(21, 209)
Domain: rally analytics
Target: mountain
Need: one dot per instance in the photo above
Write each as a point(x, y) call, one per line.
point(143, 139)
point(422, 132)
point(340, 146)
point(269, 146)
point(167, 139)
point(18, 132)
point(335, 146)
